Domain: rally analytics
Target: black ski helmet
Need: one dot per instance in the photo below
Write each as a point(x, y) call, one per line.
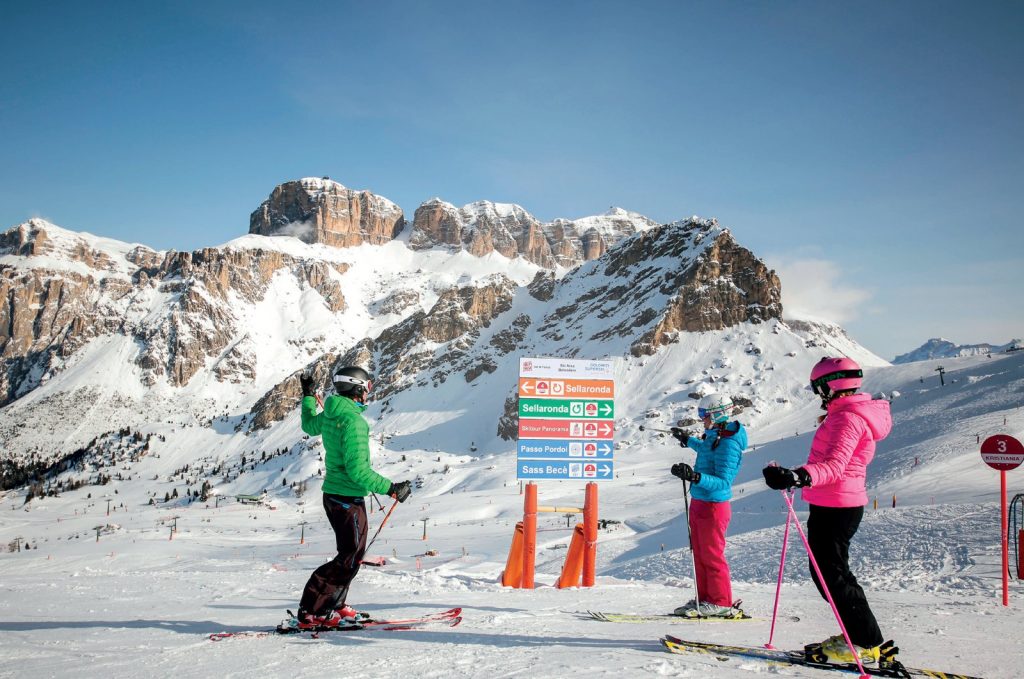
point(352, 381)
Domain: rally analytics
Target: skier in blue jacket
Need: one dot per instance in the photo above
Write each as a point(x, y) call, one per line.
point(719, 453)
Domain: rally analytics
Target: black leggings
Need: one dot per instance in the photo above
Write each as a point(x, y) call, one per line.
point(327, 587)
point(829, 531)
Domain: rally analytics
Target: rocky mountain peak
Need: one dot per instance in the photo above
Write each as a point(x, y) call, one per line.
point(323, 211)
point(483, 227)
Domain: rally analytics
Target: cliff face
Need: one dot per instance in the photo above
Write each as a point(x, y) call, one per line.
point(178, 306)
point(324, 211)
point(724, 286)
point(688, 276)
point(484, 227)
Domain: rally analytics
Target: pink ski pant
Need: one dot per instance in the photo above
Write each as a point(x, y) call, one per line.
point(708, 523)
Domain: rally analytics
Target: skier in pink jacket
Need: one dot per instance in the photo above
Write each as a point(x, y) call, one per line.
point(833, 483)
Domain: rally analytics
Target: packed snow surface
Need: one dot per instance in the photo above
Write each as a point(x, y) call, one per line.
point(122, 594)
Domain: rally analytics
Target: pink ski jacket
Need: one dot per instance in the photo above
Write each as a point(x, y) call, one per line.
point(842, 448)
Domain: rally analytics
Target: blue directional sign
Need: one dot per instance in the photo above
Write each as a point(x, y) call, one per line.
point(548, 449)
point(594, 470)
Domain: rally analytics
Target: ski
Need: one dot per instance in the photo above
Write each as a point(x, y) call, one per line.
point(449, 618)
point(890, 667)
point(640, 617)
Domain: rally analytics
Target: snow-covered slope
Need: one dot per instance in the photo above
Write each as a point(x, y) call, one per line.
point(141, 595)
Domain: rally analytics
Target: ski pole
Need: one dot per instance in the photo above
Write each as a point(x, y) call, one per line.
point(821, 579)
point(660, 431)
point(778, 588)
point(689, 537)
point(386, 517)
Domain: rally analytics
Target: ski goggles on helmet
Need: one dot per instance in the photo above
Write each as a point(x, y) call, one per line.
point(366, 384)
point(820, 385)
point(707, 412)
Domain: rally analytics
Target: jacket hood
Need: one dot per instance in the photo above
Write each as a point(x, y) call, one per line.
point(875, 412)
point(740, 434)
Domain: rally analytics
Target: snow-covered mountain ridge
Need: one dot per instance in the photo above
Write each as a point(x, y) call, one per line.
point(119, 335)
point(943, 348)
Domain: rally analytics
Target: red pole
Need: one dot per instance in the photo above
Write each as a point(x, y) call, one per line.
point(590, 533)
point(1003, 521)
point(529, 534)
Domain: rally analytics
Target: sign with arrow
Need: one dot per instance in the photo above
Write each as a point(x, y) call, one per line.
point(563, 469)
point(551, 448)
point(556, 407)
point(566, 425)
point(565, 388)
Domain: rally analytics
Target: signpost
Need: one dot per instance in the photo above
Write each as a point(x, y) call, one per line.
point(1004, 453)
point(566, 432)
point(566, 419)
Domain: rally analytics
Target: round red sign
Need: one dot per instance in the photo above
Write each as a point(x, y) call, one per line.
point(1002, 452)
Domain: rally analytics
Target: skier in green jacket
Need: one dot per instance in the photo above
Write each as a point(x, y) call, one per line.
point(349, 478)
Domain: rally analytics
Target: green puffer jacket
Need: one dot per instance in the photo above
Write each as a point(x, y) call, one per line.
point(346, 437)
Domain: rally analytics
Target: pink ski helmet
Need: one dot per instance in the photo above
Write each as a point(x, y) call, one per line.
point(835, 374)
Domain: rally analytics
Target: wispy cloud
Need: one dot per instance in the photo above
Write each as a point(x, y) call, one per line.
point(300, 230)
point(813, 289)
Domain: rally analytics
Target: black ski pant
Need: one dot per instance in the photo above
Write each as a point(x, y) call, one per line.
point(829, 531)
point(327, 587)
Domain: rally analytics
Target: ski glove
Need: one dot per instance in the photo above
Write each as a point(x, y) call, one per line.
point(685, 472)
point(781, 478)
point(680, 436)
point(400, 491)
point(306, 382)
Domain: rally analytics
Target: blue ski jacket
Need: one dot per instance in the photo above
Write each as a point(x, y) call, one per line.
point(718, 460)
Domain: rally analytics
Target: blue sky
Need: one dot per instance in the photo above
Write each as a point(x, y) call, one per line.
point(872, 152)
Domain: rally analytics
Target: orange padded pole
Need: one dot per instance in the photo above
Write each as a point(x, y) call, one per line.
point(573, 568)
point(590, 533)
point(529, 534)
point(513, 575)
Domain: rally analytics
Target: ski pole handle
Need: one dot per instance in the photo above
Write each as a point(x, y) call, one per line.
point(660, 431)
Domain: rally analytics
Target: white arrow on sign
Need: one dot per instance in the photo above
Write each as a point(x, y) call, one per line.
point(605, 429)
point(605, 449)
point(606, 409)
point(527, 387)
point(606, 470)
